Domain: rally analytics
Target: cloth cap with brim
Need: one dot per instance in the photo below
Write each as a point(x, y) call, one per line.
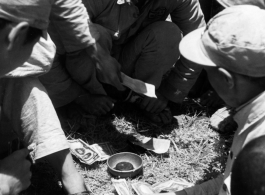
point(35, 12)
point(229, 3)
point(234, 39)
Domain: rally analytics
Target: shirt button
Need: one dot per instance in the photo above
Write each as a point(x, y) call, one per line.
point(231, 155)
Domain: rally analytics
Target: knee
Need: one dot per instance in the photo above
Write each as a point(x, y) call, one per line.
point(166, 33)
point(167, 36)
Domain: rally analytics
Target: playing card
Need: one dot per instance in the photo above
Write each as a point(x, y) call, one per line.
point(142, 188)
point(138, 86)
point(83, 151)
point(156, 145)
point(121, 186)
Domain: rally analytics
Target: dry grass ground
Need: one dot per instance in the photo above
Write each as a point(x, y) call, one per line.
point(197, 153)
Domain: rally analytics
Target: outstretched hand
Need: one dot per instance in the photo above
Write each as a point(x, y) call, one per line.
point(97, 105)
point(108, 68)
point(156, 109)
point(15, 172)
point(154, 105)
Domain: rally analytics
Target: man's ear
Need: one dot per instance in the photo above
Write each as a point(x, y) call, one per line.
point(229, 79)
point(17, 33)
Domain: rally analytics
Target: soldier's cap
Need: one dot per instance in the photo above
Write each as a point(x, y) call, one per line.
point(234, 39)
point(229, 3)
point(35, 12)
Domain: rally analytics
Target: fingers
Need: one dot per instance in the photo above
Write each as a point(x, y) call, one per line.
point(153, 105)
point(107, 106)
point(26, 164)
point(154, 117)
point(103, 105)
point(99, 111)
point(117, 82)
point(165, 117)
point(115, 75)
point(20, 154)
point(24, 182)
point(111, 100)
point(149, 106)
point(144, 103)
point(113, 79)
point(107, 103)
point(27, 174)
point(159, 106)
point(108, 71)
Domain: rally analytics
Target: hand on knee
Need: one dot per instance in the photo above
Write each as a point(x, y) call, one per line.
point(95, 104)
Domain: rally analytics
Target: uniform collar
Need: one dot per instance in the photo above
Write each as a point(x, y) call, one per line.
point(250, 112)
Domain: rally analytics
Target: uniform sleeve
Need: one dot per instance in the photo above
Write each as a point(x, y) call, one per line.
point(210, 187)
point(71, 24)
point(72, 32)
point(188, 16)
point(180, 80)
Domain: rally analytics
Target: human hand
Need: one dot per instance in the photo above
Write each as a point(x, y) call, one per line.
point(108, 68)
point(15, 172)
point(156, 109)
point(211, 99)
point(94, 104)
point(154, 105)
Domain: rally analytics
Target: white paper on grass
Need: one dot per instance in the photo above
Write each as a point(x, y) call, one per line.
point(174, 185)
point(139, 86)
point(158, 146)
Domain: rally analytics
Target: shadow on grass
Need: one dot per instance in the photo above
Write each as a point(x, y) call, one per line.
point(116, 128)
point(92, 130)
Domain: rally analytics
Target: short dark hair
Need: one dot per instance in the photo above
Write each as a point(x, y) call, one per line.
point(32, 34)
point(4, 23)
point(248, 171)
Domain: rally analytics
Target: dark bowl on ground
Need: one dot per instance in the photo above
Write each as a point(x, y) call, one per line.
point(132, 158)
